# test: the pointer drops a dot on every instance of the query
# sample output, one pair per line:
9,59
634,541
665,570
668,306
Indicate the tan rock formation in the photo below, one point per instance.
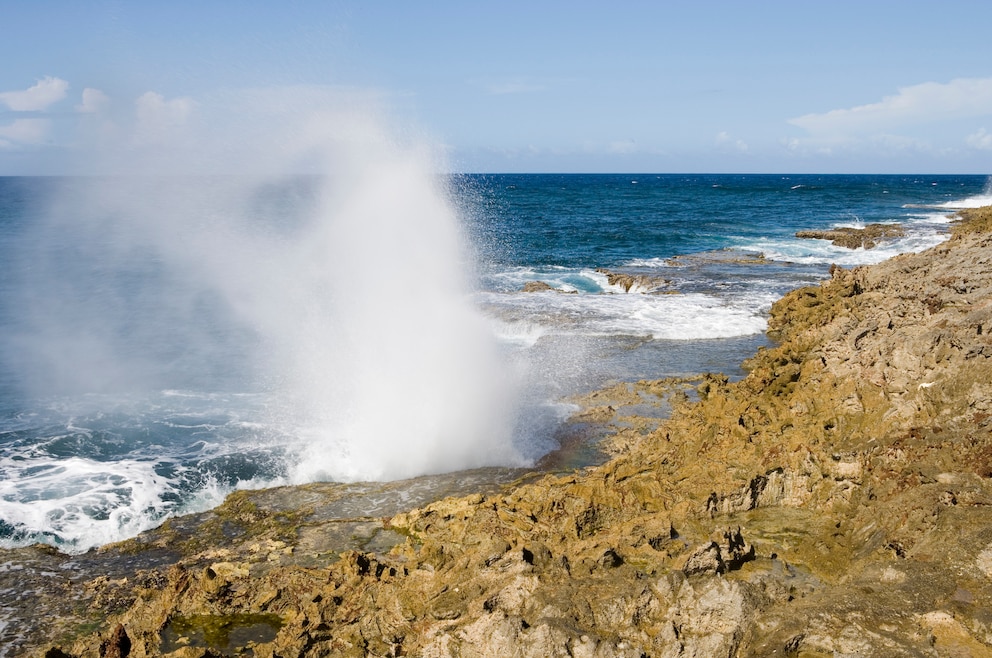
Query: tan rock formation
537,286
637,282
836,501
855,238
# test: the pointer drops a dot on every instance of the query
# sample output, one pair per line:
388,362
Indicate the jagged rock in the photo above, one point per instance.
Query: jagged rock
714,558
737,551
639,282
537,286
706,559
118,645
56,652
836,500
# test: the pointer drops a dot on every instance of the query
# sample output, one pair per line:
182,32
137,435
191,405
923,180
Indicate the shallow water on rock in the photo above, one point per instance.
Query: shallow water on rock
219,632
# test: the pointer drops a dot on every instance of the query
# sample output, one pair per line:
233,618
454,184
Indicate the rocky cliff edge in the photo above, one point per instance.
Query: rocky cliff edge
836,501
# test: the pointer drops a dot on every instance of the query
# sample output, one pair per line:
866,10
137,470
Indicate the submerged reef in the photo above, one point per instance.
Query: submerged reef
835,501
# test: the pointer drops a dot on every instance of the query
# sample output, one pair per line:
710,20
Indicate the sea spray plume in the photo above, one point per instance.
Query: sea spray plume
126,284
412,381
343,295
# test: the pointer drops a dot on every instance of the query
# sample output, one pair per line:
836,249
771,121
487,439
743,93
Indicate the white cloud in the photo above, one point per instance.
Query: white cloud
25,132
887,146
922,103
94,101
159,120
47,91
981,140
622,147
726,142
261,129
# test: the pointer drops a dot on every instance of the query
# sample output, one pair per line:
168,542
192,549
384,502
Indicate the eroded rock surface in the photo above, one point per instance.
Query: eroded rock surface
836,501
628,281
855,238
537,286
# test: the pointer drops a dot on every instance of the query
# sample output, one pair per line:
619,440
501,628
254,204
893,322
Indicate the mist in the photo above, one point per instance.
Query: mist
307,252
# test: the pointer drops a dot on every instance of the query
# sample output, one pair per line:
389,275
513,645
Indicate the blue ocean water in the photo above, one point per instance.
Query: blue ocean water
164,341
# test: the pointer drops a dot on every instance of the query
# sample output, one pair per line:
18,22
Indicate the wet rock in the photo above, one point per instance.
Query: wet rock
537,286
837,500
855,238
636,282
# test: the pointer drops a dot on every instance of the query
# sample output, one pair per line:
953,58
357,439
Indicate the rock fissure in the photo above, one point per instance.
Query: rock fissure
837,500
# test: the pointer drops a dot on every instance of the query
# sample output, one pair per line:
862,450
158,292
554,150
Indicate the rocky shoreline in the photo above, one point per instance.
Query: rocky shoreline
855,238
835,501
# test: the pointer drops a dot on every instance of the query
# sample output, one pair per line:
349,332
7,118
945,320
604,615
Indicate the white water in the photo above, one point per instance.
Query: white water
977,201
691,316
334,328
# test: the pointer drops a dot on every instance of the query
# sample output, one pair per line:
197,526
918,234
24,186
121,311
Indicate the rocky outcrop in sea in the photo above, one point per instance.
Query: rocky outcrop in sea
855,238
835,501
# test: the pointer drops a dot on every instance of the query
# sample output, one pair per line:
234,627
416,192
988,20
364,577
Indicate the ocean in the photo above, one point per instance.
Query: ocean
166,340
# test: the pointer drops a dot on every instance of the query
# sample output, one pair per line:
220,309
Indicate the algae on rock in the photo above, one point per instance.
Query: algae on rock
837,500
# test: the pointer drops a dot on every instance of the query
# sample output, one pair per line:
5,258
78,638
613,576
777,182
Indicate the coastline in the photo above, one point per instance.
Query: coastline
835,500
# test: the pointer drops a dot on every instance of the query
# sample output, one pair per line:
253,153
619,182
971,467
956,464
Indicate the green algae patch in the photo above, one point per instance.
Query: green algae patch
835,501
240,519
220,632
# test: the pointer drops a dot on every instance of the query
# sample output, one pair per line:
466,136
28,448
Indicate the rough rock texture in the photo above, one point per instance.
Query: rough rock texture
634,281
855,238
836,501
537,286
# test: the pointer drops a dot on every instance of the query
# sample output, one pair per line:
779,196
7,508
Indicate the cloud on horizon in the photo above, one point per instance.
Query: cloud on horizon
923,103
24,132
159,120
38,98
622,147
727,143
981,140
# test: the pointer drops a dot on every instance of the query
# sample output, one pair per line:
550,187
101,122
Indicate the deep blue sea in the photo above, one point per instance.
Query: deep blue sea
164,341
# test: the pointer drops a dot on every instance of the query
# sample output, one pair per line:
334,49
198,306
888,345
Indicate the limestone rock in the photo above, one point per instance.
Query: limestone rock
855,238
117,645
633,281
537,286
836,500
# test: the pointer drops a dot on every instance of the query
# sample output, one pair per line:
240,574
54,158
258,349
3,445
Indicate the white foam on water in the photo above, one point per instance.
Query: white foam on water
82,502
520,333
658,263
352,316
977,201
697,317
563,279
921,232
933,218
692,316
603,282
77,503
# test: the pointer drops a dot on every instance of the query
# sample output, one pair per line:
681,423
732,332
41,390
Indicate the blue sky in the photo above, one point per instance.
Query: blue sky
896,87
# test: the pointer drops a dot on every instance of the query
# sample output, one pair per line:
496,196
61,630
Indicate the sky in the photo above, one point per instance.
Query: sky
775,87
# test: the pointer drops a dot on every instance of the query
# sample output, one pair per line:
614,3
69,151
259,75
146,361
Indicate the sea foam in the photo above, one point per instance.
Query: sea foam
329,316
